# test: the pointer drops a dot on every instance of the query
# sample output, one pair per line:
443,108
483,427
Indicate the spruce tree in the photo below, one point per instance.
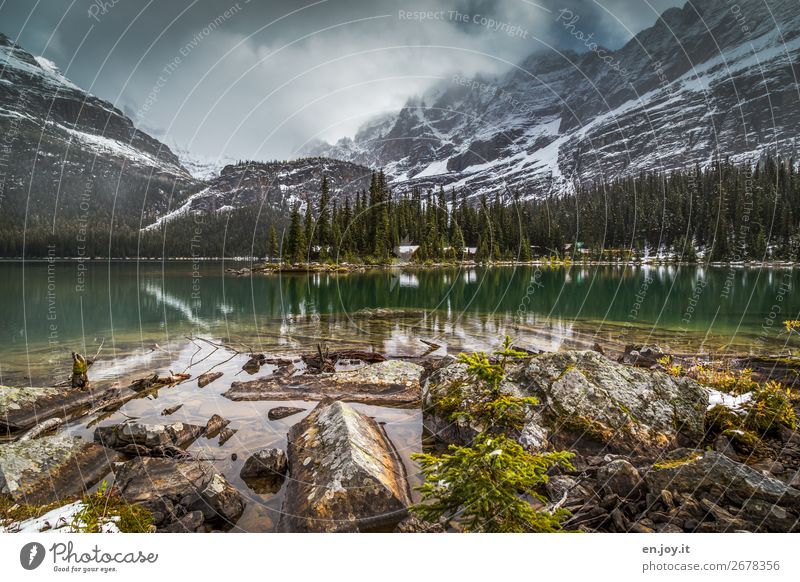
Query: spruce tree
272,245
323,223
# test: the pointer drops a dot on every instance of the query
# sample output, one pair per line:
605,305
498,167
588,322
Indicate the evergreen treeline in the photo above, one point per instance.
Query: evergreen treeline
727,211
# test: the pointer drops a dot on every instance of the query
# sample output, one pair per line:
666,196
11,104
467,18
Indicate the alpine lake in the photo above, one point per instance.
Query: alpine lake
193,317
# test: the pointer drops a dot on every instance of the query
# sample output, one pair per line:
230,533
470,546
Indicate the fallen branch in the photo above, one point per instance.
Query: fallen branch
41,428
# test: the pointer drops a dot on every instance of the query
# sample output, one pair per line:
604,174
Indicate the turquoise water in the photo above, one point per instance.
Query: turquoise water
50,309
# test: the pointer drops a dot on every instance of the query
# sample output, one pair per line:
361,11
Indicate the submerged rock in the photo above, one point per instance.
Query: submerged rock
625,409
148,439
346,474
393,382
280,412
226,434
171,489
264,471
215,425
51,468
265,463
23,408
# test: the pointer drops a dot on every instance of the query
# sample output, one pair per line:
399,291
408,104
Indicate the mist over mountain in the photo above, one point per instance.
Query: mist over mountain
709,80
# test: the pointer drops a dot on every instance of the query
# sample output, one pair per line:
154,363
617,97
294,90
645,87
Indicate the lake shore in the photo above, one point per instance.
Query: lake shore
669,426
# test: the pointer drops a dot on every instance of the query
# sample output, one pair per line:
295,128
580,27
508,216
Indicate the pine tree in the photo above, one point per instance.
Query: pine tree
272,245
297,244
308,230
323,223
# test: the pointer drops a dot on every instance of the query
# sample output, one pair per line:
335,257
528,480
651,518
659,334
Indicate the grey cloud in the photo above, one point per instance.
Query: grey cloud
215,78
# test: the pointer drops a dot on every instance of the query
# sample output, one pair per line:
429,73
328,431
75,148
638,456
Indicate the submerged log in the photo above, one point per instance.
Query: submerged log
325,361
42,428
390,383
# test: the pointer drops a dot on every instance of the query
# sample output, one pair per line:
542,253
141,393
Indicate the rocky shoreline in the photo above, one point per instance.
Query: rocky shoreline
651,452
345,267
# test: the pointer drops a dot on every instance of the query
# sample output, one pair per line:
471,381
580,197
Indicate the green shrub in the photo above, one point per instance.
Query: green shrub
769,409
483,486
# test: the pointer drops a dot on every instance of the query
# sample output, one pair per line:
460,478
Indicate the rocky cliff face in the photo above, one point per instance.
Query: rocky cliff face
66,154
709,79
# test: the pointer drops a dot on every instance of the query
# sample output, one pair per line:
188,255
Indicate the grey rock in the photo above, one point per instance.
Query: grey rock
626,409
51,468
413,524
148,439
24,408
171,488
171,410
346,474
265,463
215,425
712,474
723,445
620,477
226,434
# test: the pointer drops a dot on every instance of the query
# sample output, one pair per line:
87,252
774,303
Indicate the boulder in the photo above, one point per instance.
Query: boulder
445,383
171,489
51,468
138,438
264,471
621,478
392,383
23,408
625,409
346,474
265,463
710,475
280,412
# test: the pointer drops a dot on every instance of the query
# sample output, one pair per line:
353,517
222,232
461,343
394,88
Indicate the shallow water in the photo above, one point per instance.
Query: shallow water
143,315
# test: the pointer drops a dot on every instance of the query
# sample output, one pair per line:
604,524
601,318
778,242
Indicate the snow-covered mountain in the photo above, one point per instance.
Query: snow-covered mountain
67,154
271,187
713,78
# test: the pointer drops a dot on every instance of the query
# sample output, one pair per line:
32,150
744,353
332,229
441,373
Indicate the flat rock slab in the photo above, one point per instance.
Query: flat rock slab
49,469
390,383
22,408
171,489
345,474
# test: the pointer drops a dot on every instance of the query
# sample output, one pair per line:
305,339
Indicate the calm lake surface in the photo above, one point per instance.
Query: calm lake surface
48,310
153,317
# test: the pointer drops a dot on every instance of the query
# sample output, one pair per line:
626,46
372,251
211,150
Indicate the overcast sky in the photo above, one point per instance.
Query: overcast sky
257,79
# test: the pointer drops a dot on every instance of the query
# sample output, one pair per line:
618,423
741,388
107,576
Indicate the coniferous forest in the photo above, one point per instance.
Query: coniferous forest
725,212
